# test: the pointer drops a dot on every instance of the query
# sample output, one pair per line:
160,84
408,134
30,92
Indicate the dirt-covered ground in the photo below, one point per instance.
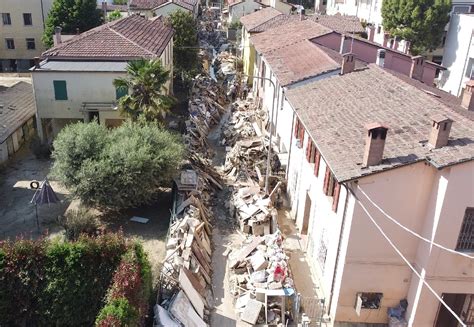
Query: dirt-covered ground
18,218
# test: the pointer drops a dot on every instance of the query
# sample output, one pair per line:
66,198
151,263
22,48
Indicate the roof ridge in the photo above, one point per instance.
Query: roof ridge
87,33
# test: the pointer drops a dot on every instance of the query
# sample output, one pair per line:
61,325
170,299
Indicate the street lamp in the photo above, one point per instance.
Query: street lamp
268,171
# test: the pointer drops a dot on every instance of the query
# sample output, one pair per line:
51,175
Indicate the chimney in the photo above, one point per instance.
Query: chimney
370,33
57,35
37,62
380,60
104,9
343,40
348,63
468,96
440,128
416,70
395,43
385,39
77,31
407,47
374,144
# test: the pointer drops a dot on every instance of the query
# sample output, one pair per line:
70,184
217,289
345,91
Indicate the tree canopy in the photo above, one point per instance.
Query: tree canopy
118,168
116,14
185,43
421,22
71,15
145,81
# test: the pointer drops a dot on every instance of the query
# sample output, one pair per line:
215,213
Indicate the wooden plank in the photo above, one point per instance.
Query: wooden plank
243,253
193,295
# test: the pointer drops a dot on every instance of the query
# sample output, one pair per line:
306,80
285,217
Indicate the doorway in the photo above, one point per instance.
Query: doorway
305,225
93,115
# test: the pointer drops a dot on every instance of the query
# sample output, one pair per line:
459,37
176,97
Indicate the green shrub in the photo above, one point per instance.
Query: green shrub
117,311
77,222
54,283
131,282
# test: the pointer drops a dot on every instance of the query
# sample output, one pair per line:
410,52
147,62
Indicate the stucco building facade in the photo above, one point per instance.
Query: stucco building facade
21,29
374,157
74,81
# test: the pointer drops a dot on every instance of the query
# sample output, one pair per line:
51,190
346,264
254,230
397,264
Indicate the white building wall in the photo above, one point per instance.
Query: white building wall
458,54
241,9
169,8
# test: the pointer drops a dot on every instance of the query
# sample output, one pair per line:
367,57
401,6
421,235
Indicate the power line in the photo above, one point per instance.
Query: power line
408,263
411,231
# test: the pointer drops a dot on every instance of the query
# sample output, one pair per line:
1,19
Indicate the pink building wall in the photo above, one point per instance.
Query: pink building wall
367,51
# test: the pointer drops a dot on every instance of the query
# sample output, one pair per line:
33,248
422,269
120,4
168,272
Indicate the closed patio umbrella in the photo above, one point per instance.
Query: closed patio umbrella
43,195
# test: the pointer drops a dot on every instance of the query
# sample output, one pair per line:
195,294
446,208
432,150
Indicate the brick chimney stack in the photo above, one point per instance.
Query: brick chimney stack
104,9
374,144
370,33
57,35
440,129
348,63
416,70
468,96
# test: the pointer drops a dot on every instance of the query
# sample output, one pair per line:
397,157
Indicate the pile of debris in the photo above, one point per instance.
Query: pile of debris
254,210
261,280
226,64
186,272
246,121
206,106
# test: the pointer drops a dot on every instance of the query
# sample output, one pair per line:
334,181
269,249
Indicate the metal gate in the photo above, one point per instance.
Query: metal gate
309,310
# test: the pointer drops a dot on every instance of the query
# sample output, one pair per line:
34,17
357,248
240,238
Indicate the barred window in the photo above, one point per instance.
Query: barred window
466,235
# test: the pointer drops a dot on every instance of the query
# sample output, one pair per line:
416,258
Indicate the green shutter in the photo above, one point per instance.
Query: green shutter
60,90
120,92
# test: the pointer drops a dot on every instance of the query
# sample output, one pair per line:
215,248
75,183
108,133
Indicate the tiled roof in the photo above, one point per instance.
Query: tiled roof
187,4
129,37
335,110
274,22
286,34
299,61
339,23
18,106
258,17
146,4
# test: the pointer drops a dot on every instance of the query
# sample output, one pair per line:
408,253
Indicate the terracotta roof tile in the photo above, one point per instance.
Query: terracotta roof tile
146,4
339,23
299,61
286,34
130,37
335,110
274,22
258,17
18,106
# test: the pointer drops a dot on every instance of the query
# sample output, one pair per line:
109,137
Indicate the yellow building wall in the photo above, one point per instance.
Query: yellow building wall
248,55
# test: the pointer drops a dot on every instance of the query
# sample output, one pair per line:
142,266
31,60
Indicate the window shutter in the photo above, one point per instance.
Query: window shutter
309,148
60,90
326,180
317,160
335,200
297,127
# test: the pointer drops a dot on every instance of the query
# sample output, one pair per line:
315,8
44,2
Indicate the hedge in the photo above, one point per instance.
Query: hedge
129,294
54,283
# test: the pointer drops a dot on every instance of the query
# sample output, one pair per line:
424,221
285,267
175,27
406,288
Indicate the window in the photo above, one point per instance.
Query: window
10,43
313,156
60,90
30,44
379,29
27,19
6,18
120,92
331,188
470,68
368,300
466,235
299,133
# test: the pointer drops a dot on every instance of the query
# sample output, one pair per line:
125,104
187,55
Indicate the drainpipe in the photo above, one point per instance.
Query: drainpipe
331,295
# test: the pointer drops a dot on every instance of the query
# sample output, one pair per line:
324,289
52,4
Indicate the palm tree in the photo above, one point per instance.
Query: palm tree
145,80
